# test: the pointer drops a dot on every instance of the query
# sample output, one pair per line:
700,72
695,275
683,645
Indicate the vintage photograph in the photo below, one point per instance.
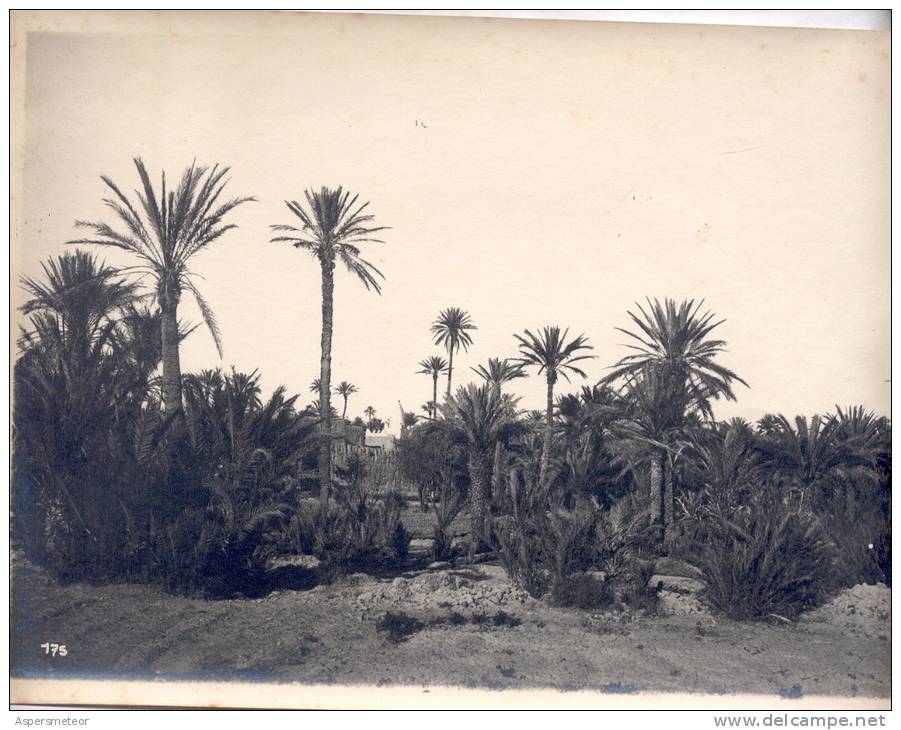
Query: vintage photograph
362,356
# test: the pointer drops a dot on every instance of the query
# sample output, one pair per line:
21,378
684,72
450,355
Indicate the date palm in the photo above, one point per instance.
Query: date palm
434,366
332,227
496,373
345,390
672,345
314,385
451,329
477,417
164,232
369,411
550,352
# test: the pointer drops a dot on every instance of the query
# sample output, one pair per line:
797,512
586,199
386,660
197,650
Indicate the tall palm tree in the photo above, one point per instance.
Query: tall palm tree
332,228
434,366
496,373
345,390
477,417
554,356
672,349
451,329
164,232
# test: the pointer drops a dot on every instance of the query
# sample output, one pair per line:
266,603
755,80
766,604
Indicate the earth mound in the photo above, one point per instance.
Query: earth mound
485,586
863,608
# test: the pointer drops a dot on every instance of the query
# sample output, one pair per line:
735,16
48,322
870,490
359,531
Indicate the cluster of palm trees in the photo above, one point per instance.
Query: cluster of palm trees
672,376
647,430
641,422
167,227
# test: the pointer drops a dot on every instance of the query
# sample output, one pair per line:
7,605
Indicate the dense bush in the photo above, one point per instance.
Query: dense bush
107,487
362,528
766,557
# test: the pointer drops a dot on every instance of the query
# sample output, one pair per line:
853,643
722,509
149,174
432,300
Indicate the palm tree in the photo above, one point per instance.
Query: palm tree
314,385
164,232
672,348
332,228
345,390
369,412
477,417
451,329
495,374
434,366
812,451
80,294
552,354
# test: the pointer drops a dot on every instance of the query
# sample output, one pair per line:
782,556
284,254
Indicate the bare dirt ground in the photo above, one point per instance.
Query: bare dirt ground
331,634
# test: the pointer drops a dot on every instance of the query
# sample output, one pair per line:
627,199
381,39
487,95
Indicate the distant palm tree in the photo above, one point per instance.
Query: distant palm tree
552,354
672,347
314,385
434,366
496,373
332,228
345,390
451,329
477,417
164,233
369,412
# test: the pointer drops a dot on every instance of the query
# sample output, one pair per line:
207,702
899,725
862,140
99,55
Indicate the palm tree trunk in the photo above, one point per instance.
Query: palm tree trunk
479,467
668,502
434,408
548,432
171,364
325,387
344,412
496,475
450,369
656,507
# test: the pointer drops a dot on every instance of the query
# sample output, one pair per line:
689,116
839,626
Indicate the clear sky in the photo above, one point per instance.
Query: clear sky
532,173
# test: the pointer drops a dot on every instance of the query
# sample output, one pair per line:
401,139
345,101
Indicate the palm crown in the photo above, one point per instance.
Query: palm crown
497,371
79,294
551,353
165,231
451,329
332,228
345,389
479,417
673,340
434,366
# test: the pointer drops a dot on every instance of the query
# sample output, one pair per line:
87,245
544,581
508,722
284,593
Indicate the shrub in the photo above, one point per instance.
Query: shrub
767,559
542,551
583,590
398,626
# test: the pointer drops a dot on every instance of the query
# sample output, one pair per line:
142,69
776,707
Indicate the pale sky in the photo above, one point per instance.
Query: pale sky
560,171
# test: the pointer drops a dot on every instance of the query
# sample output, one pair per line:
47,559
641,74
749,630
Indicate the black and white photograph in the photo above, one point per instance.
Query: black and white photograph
385,360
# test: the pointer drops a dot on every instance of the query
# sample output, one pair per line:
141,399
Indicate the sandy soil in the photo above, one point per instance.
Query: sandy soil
330,634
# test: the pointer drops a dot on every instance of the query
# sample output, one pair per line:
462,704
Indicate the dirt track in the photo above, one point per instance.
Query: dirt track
329,634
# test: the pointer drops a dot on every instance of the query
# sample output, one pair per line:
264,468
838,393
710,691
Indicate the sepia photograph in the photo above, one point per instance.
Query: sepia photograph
370,360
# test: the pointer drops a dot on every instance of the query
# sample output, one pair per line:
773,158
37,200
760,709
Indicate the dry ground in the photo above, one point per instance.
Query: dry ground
329,634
